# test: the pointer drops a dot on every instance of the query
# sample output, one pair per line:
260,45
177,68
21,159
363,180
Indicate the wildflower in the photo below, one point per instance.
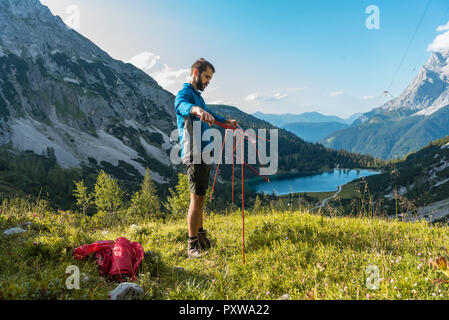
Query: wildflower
368,296
35,243
268,293
414,291
406,278
419,266
415,284
427,279
345,289
399,295
419,254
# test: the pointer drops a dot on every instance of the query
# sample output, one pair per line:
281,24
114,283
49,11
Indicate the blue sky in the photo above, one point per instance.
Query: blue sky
270,56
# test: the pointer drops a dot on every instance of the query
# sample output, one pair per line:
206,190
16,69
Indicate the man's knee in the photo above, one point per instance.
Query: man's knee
197,200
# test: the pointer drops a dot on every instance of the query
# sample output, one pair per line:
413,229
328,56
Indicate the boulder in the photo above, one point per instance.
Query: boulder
127,291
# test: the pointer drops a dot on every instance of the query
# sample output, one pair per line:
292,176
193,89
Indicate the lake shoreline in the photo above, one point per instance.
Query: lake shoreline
289,177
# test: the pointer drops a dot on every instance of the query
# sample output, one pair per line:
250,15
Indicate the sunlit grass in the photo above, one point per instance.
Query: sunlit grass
295,253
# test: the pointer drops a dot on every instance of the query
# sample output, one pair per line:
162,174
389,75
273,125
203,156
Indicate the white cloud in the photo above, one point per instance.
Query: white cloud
257,97
336,93
441,42
169,78
224,102
443,28
367,97
145,60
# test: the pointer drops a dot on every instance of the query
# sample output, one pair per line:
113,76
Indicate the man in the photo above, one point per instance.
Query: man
191,108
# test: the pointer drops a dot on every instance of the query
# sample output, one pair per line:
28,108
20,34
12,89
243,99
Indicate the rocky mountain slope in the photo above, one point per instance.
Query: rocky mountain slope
423,177
59,90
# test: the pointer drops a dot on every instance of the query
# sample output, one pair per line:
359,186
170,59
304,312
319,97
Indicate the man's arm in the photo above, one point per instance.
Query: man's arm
184,107
183,104
216,116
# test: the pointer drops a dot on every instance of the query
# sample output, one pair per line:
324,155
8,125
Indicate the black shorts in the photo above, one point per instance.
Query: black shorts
198,175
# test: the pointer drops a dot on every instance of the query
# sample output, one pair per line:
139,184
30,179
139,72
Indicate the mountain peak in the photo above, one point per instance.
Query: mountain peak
437,61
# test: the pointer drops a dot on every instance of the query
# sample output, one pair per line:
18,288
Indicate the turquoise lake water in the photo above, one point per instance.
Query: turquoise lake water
319,182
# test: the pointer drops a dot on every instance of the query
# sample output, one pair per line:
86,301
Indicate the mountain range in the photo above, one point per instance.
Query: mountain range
407,123
309,126
281,120
314,132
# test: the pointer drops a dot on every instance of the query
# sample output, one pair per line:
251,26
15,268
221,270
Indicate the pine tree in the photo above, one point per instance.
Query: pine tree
179,199
108,195
84,199
257,207
146,201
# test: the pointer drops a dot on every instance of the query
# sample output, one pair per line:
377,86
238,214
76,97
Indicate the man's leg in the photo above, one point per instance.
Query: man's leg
195,216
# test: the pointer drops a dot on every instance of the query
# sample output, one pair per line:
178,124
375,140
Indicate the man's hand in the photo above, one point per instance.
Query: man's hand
232,123
204,115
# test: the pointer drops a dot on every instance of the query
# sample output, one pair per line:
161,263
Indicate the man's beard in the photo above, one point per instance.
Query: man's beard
199,84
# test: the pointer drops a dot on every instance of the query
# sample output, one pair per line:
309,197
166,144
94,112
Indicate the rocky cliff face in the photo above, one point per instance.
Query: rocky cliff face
59,90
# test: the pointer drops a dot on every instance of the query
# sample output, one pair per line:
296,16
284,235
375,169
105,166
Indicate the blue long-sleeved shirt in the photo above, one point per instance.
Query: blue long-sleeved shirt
187,98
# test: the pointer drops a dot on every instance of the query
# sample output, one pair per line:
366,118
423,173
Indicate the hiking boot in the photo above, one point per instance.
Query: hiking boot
204,241
194,249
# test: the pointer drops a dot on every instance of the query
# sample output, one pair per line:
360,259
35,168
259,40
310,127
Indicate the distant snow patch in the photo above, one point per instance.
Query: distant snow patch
168,144
158,178
71,80
132,123
429,111
87,60
402,191
27,136
155,152
440,183
445,146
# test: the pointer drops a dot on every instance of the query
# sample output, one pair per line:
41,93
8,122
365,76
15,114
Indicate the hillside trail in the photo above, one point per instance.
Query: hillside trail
323,203
431,213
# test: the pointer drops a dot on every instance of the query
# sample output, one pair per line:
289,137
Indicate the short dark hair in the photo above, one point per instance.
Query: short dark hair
202,65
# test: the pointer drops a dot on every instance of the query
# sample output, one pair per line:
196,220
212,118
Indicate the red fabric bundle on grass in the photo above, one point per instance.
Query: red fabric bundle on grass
116,259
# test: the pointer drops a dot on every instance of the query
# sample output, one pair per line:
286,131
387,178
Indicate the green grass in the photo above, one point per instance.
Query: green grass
305,256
